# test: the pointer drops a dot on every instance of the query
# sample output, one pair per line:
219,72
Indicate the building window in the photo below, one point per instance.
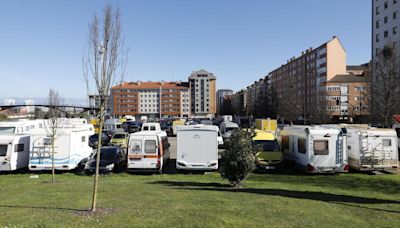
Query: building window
385,5
377,38
377,10
394,1
394,15
385,19
377,24
395,30
385,34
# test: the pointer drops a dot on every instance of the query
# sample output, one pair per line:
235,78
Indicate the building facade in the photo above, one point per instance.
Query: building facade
153,99
202,90
385,25
221,93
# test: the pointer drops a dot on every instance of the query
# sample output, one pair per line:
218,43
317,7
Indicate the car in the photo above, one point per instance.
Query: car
94,140
134,127
119,139
167,127
112,158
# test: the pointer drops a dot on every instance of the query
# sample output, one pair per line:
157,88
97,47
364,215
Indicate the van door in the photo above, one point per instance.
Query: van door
151,147
324,152
135,153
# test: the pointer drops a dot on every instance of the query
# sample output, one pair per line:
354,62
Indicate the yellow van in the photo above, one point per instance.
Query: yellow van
176,123
271,156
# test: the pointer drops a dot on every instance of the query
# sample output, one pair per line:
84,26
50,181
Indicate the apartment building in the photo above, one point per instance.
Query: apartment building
153,99
385,25
348,95
202,88
257,98
238,102
299,85
221,93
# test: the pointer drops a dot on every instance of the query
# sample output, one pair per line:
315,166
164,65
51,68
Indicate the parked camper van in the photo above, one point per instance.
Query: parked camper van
113,125
72,147
372,148
271,156
14,152
151,127
316,149
197,147
148,151
227,118
227,128
19,126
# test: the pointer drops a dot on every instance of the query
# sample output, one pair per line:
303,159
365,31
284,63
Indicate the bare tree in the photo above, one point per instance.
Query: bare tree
102,61
53,125
385,87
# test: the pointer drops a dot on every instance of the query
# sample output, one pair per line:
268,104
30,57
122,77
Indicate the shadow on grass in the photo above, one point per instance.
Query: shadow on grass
45,208
319,196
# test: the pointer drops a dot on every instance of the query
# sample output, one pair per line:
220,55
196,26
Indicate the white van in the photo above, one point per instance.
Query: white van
71,147
14,152
372,148
113,125
314,149
148,151
151,127
227,128
197,147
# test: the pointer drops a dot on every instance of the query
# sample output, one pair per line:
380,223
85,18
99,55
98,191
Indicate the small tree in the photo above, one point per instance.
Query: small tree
53,125
238,160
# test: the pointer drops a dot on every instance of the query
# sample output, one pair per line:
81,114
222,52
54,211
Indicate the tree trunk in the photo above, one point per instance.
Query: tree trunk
96,176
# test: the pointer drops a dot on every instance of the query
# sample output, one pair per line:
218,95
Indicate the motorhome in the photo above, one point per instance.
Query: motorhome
197,147
314,149
270,156
14,152
396,127
71,147
227,118
113,125
20,126
227,128
148,151
372,148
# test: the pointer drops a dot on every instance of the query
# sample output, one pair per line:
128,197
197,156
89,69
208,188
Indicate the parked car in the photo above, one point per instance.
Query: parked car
94,140
167,127
112,158
120,139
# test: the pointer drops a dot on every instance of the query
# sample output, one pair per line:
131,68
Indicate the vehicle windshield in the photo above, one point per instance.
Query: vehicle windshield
7,130
119,136
230,129
107,154
3,150
268,145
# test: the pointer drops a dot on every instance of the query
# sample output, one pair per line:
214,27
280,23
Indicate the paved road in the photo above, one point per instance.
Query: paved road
172,149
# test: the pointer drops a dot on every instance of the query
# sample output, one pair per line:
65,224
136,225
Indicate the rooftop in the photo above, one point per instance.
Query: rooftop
348,78
151,85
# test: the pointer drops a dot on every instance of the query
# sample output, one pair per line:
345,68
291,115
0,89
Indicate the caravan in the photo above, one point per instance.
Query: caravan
148,151
14,152
372,148
316,149
197,147
71,146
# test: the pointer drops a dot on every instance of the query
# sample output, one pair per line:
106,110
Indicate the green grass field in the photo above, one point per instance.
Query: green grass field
267,200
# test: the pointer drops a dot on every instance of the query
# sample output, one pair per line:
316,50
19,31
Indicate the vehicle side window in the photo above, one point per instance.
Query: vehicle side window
321,147
83,139
285,142
386,142
301,146
150,147
3,150
145,128
19,148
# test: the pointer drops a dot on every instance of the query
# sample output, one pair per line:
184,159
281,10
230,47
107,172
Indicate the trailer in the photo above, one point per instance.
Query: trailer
14,152
71,147
372,148
314,149
197,147
148,151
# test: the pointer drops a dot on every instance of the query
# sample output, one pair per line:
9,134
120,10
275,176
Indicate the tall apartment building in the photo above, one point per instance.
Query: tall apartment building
300,84
153,99
385,25
221,93
202,88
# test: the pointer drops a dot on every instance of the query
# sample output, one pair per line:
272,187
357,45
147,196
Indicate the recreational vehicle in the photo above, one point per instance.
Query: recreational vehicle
396,127
372,148
148,151
227,128
314,149
71,147
197,147
14,152
19,126
113,125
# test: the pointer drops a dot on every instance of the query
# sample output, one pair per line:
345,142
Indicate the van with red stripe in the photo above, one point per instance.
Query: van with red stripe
148,151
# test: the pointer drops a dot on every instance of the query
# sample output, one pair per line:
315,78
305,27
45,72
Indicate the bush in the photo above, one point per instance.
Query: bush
238,160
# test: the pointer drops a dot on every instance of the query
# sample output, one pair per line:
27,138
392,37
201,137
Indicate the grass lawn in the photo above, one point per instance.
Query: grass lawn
267,200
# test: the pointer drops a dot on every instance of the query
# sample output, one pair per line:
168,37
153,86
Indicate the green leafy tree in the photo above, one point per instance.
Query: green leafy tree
238,161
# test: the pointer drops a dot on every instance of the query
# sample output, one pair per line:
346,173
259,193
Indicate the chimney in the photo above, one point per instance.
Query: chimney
334,37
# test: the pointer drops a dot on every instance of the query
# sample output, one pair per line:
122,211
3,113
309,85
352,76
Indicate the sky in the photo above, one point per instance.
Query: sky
42,41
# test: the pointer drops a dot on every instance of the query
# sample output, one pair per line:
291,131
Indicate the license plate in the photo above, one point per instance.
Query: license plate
270,167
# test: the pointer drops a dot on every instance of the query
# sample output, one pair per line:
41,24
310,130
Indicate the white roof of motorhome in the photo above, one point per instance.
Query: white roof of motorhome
147,133
230,124
312,129
199,127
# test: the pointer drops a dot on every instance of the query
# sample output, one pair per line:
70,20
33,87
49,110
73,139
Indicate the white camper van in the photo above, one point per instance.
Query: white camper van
19,126
14,152
372,148
316,149
113,125
148,151
227,128
71,147
151,127
197,147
